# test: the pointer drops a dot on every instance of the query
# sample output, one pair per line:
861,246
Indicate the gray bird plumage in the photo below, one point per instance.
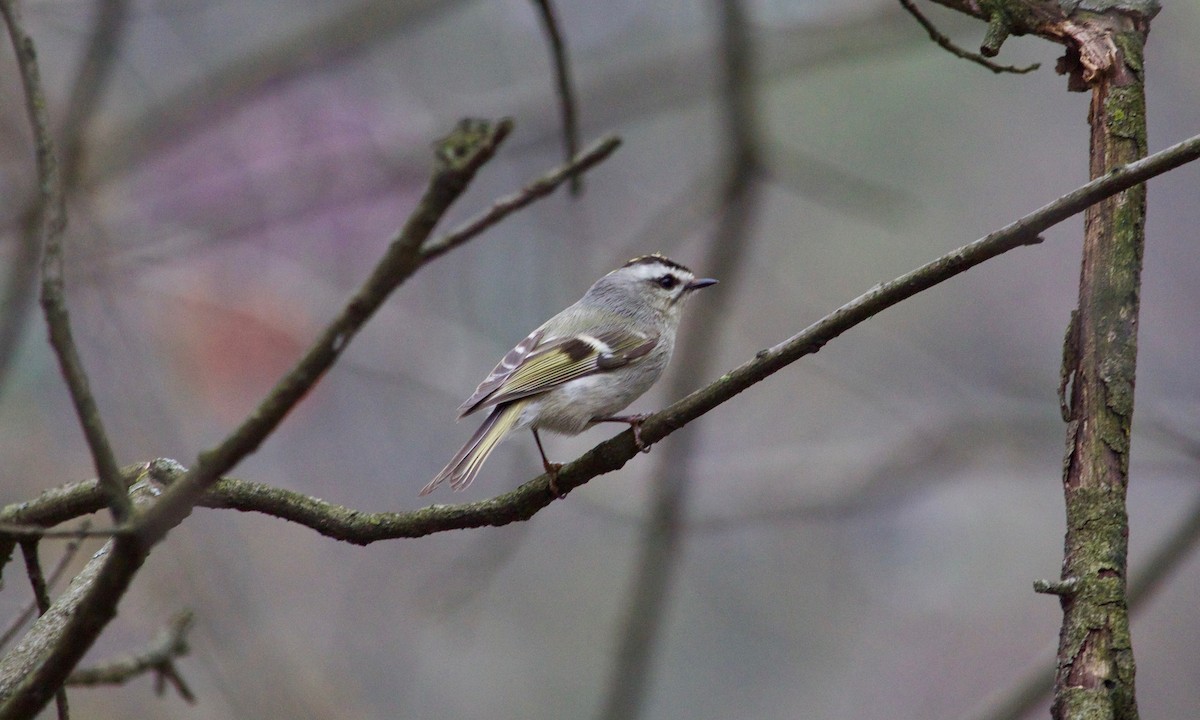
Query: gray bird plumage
581,366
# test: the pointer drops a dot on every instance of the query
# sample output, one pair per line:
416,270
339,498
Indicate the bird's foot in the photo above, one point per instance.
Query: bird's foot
635,423
552,469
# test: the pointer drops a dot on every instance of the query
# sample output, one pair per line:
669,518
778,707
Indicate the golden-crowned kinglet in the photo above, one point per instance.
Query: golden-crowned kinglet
582,365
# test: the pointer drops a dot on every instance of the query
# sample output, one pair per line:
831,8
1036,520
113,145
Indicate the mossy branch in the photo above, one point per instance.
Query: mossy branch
362,528
460,156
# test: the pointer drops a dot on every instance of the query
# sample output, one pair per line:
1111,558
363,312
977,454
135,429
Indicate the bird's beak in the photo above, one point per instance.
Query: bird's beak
700,283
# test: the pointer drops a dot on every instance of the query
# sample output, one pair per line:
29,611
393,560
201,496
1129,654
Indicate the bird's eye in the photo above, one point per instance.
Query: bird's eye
666,282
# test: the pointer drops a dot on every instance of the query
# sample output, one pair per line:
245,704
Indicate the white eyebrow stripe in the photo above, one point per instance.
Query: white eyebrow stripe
650,271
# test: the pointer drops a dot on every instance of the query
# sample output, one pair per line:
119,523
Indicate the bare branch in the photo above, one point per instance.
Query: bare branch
37,580
122,561
55,575
35,532
52,222
460,155
562,75
1096,669
41,598
948,45
47,638
505,206
1036,685
361,528
158,657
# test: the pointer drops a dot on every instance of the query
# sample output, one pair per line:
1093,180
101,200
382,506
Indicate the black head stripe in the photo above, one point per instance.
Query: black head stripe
656,258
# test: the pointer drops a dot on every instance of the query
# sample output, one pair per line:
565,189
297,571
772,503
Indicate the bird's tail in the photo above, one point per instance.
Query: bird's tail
465,464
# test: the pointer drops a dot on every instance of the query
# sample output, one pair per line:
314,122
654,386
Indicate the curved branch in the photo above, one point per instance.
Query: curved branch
361,528
948,45
158,657
460,156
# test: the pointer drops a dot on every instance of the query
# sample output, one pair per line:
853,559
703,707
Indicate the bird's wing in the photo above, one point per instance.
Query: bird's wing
503,370
535,365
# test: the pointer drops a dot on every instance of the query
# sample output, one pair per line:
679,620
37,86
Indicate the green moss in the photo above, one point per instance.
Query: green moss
1019,18
1126,115
1130,45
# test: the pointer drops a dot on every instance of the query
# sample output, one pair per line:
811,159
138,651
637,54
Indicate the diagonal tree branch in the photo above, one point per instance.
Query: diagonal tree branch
86,91
460,156
362,528
1088,52
56,574
505,206
27,656
948,45
52,222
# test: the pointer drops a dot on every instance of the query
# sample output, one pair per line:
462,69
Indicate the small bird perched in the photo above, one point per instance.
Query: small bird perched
582,365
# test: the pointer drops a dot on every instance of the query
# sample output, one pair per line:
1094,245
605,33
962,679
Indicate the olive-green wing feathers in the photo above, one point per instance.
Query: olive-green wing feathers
539,364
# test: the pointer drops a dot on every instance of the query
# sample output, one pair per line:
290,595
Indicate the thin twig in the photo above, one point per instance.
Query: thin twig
52,222
158,657
460,156
505,206
948,45
36,532
46,638
41,597
563,84
362,528
1036,685
37,580
55,575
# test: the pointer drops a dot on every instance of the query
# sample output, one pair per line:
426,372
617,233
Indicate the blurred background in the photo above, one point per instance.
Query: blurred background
855,537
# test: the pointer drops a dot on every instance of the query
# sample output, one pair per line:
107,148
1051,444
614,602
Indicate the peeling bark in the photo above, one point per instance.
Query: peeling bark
1095,676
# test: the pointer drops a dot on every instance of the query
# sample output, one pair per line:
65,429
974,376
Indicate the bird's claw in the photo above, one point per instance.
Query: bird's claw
552,470
635,423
